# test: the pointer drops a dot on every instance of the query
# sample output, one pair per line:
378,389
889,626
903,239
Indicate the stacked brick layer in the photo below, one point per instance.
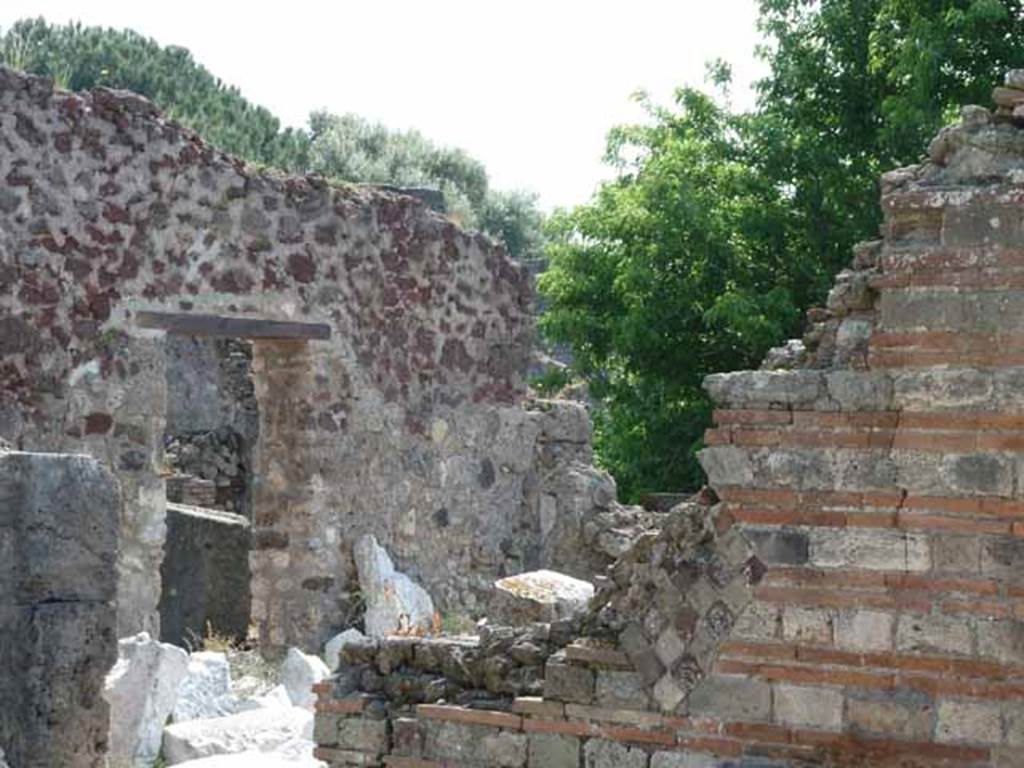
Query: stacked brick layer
887,498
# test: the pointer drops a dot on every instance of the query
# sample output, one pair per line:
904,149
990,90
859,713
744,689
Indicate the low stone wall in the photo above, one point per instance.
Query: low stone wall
59,522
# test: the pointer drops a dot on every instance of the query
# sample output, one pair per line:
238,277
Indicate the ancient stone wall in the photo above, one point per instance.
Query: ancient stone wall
59,518
406,422
878,481
106,209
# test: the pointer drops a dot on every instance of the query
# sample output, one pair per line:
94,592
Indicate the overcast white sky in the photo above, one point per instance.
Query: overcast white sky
530,87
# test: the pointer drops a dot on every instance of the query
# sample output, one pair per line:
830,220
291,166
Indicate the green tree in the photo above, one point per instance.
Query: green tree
676,269
857,87
354,149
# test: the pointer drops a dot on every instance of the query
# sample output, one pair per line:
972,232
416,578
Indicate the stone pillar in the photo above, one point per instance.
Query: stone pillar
59,528
283,495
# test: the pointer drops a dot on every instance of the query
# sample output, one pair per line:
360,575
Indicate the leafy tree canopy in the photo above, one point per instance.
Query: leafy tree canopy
352,148
676,269
721,229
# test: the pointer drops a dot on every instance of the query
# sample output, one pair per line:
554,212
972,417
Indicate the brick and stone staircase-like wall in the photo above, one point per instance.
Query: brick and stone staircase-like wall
878,616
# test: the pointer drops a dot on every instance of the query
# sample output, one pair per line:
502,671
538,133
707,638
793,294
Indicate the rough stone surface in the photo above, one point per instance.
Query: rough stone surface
731,697
332,648
252,760
299,673
205,576
553,750
142,689
59,522
599,753
206,689
262,730
808,706
395,604
539,596
675,597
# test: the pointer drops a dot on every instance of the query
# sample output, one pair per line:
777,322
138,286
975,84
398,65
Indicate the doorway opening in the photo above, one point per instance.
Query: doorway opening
209,442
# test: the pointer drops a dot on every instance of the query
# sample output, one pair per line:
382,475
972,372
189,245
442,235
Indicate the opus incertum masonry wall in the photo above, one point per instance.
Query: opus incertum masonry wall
880,485
389,357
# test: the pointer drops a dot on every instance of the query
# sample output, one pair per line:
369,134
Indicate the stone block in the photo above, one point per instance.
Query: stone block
63,511
620,690
983,224
860,391
553,750
299,673
1001,640
807,626
600,753
363,734
205,575
731,697
395,604
669,648
809,706
325,728
800,388
406,738
942,389
779,547
1013,718
727,465
905,309
683,760
865,631
59,530
142,689
538,596
978,474
903,716
206,689
969,721
668,693
870,549
474,744
956,554
259,730
641,654
568,682
1003,558
933,634
759,621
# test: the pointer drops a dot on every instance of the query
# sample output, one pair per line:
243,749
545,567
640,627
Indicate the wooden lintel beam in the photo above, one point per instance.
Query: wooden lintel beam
191,324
